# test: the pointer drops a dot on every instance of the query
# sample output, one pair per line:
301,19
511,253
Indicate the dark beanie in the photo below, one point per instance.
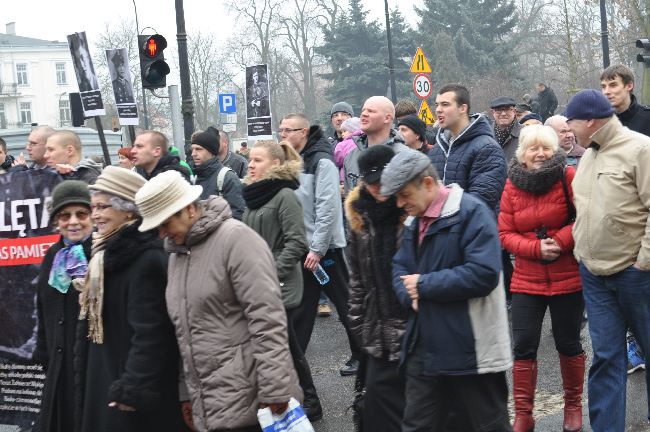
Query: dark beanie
372,162
342,107
208,139
414,123
67,193
588,104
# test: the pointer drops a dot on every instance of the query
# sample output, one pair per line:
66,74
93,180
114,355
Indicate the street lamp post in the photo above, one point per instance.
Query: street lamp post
391,64
187,106
604,34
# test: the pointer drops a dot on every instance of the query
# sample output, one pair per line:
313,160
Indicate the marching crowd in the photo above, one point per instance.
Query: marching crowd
183,297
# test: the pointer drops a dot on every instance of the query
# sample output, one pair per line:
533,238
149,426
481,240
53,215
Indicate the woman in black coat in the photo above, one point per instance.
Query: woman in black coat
130,376
58,303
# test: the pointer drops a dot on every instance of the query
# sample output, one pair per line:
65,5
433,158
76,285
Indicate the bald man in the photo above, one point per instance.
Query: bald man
63,153
377,117
566,139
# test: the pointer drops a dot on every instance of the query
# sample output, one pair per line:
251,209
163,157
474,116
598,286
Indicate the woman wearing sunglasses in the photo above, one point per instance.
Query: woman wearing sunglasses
65,264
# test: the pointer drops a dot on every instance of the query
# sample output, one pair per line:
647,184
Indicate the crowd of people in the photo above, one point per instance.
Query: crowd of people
184,297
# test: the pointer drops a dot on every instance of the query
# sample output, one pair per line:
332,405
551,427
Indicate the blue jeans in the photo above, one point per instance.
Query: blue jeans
613,303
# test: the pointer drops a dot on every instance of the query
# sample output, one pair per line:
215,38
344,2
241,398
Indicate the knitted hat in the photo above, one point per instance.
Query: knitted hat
208,139
342,107
372,162
414,123
120,182
126,152
67,193
404,167
352,124
588,104
502,102
163,196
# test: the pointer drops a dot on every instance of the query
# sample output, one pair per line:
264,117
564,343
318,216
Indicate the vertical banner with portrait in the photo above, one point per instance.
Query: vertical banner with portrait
91,97
118,67
25,236
258,102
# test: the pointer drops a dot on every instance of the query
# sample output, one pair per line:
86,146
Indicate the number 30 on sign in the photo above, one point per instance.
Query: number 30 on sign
422,86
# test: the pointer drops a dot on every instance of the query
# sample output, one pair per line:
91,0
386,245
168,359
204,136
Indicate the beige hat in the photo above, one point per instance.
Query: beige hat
120,182
163,196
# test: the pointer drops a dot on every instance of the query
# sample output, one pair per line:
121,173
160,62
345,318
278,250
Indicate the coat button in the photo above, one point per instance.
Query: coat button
59,349
61,321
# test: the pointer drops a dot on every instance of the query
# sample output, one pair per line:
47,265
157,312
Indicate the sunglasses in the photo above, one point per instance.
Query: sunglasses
81,215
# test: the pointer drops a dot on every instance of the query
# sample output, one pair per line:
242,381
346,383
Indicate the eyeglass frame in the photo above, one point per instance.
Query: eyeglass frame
65,217
288,130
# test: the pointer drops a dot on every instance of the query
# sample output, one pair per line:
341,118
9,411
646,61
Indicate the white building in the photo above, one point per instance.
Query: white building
36,77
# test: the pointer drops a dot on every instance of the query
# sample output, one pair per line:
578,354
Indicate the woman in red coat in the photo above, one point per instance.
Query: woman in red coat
535,225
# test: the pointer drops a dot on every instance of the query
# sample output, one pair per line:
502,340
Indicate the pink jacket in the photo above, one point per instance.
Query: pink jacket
342,150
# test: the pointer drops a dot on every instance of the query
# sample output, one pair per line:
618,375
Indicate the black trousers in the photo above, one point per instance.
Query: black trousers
253,428
300,363
336,289
508,270
384,400
528,315
482,400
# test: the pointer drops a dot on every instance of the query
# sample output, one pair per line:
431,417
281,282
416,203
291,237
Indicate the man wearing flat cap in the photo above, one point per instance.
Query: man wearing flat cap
215,178
611,190
506,127
446,272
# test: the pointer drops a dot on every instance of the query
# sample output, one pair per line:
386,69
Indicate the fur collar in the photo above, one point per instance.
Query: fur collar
125,248
286,171
356,220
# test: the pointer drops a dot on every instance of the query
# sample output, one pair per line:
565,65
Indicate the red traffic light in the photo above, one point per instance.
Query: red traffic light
154,45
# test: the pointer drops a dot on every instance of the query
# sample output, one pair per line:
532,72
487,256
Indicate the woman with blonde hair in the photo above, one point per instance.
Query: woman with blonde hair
535,223
273,210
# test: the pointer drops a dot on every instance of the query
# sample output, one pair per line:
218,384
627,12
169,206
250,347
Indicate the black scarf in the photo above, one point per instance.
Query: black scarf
503,135
259,193
541,180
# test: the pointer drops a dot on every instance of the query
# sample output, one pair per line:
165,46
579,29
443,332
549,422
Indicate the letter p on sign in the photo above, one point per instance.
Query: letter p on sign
227,103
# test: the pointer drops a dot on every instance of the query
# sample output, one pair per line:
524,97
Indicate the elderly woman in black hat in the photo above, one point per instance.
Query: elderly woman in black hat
131,377
377,319
58,302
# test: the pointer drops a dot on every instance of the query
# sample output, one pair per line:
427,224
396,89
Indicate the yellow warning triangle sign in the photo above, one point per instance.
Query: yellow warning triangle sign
420,63
425,113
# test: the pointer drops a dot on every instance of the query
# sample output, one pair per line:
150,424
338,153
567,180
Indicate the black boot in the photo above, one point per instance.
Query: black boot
311,403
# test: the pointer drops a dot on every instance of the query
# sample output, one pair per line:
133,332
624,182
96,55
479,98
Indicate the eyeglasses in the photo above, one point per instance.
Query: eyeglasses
81,215
100,207
287,130
504,110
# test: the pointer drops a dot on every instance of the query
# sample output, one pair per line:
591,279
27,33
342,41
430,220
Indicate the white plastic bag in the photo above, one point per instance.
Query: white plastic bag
293,419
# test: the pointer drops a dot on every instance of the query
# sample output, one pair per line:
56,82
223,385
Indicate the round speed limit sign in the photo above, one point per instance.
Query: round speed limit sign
422,86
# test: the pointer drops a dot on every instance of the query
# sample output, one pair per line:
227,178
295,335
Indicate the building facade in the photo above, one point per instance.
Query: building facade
36,78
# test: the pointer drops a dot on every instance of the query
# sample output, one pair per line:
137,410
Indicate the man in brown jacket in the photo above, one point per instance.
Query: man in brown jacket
612,244
225,304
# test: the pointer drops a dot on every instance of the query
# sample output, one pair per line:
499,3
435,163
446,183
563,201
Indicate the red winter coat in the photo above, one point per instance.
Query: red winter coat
521,214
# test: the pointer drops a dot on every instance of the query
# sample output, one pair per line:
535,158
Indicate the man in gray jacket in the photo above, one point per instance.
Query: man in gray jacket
377,117
323,216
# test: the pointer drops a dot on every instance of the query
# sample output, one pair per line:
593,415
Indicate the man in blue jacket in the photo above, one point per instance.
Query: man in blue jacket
457,345
465,151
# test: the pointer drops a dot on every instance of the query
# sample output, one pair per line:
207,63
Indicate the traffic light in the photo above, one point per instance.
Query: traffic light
644,57
153,67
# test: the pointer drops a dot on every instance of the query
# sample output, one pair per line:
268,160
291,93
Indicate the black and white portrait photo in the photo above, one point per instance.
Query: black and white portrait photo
91,96
118,67
257,92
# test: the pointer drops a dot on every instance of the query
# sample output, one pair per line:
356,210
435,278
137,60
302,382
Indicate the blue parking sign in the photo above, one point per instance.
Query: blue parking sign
227,103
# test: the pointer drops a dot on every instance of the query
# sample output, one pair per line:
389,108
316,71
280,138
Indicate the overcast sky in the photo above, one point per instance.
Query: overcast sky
53,20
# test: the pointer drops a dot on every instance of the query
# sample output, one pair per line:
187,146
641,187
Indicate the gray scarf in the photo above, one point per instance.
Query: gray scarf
541,180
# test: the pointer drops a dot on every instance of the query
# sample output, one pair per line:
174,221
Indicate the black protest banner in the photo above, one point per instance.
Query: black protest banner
25,236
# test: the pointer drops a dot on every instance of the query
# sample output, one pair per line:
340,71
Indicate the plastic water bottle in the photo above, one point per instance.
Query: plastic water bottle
321,275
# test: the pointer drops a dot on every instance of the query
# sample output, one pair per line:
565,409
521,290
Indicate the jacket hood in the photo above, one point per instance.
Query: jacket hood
214,211
286,171
89,164
316,143
127,245
478,125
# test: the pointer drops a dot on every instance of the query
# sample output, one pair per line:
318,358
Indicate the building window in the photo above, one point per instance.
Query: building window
64,112
3,118
26,112
61,79
21,74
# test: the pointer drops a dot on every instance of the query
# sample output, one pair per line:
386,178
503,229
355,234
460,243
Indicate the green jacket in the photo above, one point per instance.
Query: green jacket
280,223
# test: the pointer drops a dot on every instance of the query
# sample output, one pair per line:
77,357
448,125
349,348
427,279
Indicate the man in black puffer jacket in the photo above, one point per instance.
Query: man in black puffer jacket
465,151
151,156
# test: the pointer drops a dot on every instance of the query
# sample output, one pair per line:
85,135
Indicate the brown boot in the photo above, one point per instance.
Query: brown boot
524,380
573,378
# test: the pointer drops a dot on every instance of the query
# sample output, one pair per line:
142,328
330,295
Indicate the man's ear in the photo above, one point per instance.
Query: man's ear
157,151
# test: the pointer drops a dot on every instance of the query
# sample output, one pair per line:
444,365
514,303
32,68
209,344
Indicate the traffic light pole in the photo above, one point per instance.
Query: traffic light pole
187,106
145,112
391,64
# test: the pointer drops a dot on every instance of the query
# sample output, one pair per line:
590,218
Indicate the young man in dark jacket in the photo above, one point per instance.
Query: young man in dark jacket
465,151
446,272
151,156
212,175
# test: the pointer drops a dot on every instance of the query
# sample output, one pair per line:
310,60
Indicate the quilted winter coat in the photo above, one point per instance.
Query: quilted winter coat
522,213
